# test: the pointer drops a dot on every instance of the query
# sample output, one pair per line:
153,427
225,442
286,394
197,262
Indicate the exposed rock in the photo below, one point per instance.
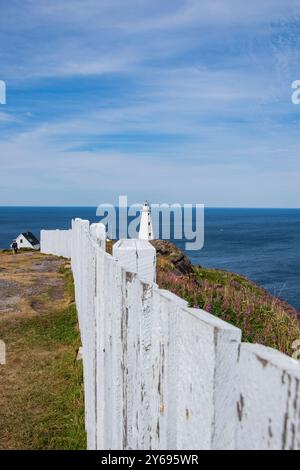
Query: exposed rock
174,254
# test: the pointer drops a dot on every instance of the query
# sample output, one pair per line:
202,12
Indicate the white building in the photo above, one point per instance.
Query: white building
28,240
146,227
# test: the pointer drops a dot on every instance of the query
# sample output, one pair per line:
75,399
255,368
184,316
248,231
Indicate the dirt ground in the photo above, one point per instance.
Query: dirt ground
30,281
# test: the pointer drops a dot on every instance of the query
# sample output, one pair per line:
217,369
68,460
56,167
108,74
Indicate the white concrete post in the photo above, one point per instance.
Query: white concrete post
2,352
137,256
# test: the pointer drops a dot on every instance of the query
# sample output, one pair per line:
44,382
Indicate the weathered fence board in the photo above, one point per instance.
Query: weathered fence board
160,375
56,242
269,399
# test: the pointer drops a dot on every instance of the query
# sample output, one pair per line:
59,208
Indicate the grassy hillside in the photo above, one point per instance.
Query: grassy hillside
262,317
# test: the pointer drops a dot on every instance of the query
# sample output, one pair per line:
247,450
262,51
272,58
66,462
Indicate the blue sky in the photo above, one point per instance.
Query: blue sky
173,101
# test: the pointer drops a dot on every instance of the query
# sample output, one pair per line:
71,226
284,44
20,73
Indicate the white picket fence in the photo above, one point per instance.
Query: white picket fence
56,242
160,375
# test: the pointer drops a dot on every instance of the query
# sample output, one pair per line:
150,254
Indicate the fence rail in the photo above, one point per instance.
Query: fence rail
161,375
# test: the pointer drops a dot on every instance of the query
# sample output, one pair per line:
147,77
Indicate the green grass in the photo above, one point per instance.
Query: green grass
43,392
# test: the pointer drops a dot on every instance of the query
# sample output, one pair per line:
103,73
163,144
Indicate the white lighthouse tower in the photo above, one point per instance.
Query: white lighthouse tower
146,228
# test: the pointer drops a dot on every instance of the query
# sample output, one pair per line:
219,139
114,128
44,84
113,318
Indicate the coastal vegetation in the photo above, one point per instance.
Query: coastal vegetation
263,318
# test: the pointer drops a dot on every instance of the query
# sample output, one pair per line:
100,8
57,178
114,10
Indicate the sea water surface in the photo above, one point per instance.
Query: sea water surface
262,244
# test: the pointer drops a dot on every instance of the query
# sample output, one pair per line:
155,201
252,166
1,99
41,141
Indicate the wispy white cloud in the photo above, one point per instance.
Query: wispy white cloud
54,38
5,117
195,94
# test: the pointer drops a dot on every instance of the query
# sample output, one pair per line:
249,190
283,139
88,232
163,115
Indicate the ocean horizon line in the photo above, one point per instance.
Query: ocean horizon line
94,207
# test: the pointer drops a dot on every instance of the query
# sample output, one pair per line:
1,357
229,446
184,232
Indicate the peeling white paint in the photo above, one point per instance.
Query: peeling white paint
160,375
268,408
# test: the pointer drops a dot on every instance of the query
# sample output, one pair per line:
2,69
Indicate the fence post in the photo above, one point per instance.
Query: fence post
98,234
137,256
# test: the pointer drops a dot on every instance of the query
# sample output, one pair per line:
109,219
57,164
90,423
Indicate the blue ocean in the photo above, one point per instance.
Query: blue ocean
262,244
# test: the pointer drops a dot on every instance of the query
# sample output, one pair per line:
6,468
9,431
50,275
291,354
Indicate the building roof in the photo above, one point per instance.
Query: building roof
31,238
